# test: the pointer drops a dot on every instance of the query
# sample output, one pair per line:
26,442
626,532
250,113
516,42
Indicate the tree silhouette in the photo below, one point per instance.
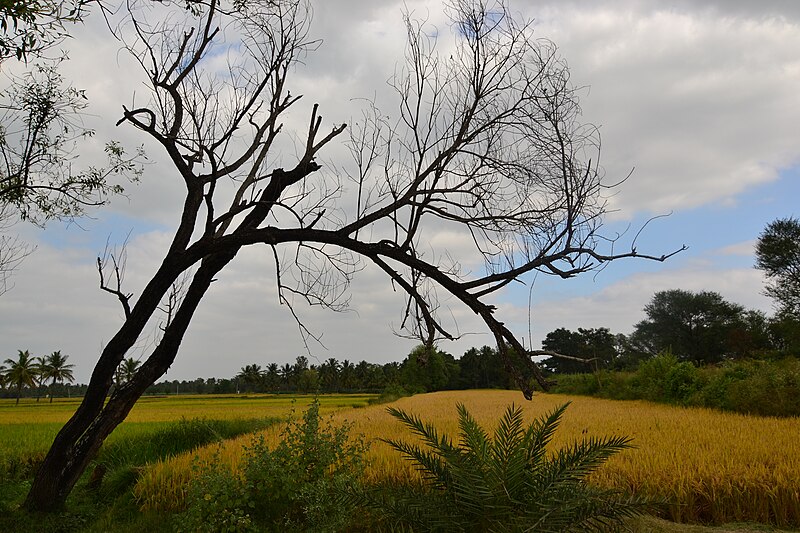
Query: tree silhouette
252,376
487,143
126,370
21,372
57,370
778,255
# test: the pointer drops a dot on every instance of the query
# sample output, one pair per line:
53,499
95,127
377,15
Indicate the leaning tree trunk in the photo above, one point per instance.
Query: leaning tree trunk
79,441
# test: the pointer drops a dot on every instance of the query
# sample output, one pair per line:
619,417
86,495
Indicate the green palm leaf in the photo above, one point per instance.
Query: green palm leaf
508,481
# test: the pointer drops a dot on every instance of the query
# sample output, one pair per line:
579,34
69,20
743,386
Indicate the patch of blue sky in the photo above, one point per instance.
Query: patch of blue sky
93,233
711,233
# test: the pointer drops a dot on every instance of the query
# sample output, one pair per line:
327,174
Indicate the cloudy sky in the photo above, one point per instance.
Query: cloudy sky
698,99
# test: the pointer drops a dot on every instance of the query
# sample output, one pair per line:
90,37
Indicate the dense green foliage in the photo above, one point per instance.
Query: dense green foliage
292,487
759,387
697,327
597,346
701,328
778,255
509,481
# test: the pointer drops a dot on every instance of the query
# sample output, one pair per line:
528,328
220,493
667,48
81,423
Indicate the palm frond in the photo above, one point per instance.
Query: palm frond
430,464
424,430
580,459
540,433
506,482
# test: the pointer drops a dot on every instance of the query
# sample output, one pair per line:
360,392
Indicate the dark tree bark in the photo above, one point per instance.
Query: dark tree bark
487,141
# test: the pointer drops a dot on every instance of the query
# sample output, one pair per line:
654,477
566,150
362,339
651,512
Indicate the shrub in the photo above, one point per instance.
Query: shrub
293,486
217,501
650,380
681,383
391,393
767,389
507,482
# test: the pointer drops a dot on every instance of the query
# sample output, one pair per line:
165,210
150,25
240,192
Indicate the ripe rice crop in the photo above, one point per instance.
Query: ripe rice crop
711,467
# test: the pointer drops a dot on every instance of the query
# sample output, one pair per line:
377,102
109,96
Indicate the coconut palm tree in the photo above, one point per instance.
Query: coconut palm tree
22,372
126,369
272,377
57,370
40,368
251,376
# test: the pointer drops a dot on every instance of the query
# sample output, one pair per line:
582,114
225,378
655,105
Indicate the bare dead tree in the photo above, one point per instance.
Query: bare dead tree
487,141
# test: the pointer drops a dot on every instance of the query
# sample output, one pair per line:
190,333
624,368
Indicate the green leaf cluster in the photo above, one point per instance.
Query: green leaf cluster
293,487
507,481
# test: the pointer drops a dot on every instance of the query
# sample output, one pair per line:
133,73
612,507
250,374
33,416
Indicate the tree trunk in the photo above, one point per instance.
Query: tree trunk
79,441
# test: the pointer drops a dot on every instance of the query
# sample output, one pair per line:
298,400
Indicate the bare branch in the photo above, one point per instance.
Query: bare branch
116,261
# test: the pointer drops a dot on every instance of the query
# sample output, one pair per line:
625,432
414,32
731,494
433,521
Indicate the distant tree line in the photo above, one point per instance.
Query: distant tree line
695,328
37,375
423,370
701,328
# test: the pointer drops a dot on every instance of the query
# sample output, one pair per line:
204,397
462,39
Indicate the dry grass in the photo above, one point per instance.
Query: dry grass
712,467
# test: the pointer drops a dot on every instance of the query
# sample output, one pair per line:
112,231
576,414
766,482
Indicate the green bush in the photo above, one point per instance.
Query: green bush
391,393
295,486
604,384
681,383
582,384
217,501
651,377
763,388
760,387
506,482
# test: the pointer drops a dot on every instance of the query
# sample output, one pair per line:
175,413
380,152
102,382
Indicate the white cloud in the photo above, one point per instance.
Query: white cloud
619,306
745,248
701,100
702,105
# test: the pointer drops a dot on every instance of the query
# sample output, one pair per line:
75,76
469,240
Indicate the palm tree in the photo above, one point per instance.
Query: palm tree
251,375
287,372
57,370
40,367
347,376
2,377
329,374
21,372
272,377
126,369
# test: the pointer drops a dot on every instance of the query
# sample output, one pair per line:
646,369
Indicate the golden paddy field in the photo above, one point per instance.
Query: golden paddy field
711,467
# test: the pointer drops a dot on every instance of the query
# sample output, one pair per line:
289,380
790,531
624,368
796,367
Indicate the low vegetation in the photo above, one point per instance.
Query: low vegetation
698,465
508,481
27,430
758,387
707,466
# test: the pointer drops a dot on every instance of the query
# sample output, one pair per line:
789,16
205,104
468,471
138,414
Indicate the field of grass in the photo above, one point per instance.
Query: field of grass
28,429
711,467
